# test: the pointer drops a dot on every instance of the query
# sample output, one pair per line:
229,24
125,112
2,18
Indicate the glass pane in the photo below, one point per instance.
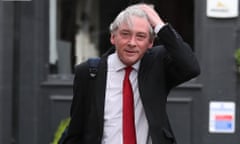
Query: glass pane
73,34
181,15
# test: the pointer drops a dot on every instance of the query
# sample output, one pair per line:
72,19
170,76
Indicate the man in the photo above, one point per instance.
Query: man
102,113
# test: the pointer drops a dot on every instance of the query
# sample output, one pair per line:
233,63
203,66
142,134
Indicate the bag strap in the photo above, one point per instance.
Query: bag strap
93,66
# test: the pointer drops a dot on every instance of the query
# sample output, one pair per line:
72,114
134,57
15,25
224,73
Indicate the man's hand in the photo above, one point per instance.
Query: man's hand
154,18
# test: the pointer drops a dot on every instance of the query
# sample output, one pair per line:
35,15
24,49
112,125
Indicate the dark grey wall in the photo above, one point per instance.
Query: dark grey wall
218,69
216,42
31,42
25,113
6,70
32,103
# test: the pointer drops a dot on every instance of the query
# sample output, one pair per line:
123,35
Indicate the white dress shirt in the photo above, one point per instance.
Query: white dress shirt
112,133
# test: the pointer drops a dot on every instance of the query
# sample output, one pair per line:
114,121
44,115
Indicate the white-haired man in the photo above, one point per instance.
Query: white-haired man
131,109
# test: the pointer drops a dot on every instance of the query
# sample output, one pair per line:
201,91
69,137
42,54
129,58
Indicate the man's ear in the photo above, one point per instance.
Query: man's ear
112,40
150,44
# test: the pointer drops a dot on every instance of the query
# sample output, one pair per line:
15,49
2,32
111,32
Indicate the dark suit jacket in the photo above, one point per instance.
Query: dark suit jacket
162,68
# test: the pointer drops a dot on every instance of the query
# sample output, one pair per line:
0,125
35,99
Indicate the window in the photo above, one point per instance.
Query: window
73,34
79,28
180,14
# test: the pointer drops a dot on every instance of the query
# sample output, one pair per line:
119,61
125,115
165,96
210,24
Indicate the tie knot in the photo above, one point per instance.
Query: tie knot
128,70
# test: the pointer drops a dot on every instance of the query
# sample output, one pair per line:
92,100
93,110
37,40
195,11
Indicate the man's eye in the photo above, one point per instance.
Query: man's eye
124,33
141,37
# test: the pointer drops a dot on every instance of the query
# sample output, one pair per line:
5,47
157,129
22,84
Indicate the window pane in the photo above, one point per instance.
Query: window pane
181,15
73,36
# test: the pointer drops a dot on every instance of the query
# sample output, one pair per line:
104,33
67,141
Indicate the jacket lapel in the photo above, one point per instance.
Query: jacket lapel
144,68
101,88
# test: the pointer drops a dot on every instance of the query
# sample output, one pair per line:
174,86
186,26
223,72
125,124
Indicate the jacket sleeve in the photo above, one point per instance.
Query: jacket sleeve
180,61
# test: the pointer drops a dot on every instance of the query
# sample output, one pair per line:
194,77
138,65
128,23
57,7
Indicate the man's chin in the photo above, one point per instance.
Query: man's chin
130,61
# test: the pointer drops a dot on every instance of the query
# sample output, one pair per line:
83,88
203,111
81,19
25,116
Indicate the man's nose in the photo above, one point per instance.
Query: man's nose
132,41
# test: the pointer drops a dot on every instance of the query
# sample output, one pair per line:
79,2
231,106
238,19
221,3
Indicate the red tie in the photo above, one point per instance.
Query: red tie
129,134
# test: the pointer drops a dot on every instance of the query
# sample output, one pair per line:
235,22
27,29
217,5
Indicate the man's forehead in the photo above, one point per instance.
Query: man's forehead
125,26
131,27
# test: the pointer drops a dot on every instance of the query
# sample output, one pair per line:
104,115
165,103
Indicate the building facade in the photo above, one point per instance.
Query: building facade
42,40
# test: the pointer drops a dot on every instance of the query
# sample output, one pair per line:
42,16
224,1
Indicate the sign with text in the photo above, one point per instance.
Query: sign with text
222,117
222,8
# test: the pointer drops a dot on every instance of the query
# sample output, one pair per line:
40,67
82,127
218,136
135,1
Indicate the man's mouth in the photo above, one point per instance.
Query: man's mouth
130,52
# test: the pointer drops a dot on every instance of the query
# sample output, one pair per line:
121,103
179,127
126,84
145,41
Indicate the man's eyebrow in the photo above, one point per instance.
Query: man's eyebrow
141,33
124,30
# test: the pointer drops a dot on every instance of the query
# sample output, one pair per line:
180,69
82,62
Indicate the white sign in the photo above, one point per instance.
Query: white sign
222,117
222,8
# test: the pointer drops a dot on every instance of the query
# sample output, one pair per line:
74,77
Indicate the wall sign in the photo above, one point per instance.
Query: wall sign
222,8
222,117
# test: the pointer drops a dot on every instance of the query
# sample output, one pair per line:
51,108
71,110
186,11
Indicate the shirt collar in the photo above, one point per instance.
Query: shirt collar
116,64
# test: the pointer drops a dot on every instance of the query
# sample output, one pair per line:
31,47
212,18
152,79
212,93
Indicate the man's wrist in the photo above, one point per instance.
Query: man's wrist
158,27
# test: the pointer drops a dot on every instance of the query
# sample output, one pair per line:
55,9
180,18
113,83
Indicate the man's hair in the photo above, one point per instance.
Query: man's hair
125,17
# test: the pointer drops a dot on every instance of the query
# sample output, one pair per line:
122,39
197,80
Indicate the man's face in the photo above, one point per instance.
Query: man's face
132,41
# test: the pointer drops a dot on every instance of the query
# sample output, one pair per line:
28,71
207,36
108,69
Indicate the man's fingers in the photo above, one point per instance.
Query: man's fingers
152,14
